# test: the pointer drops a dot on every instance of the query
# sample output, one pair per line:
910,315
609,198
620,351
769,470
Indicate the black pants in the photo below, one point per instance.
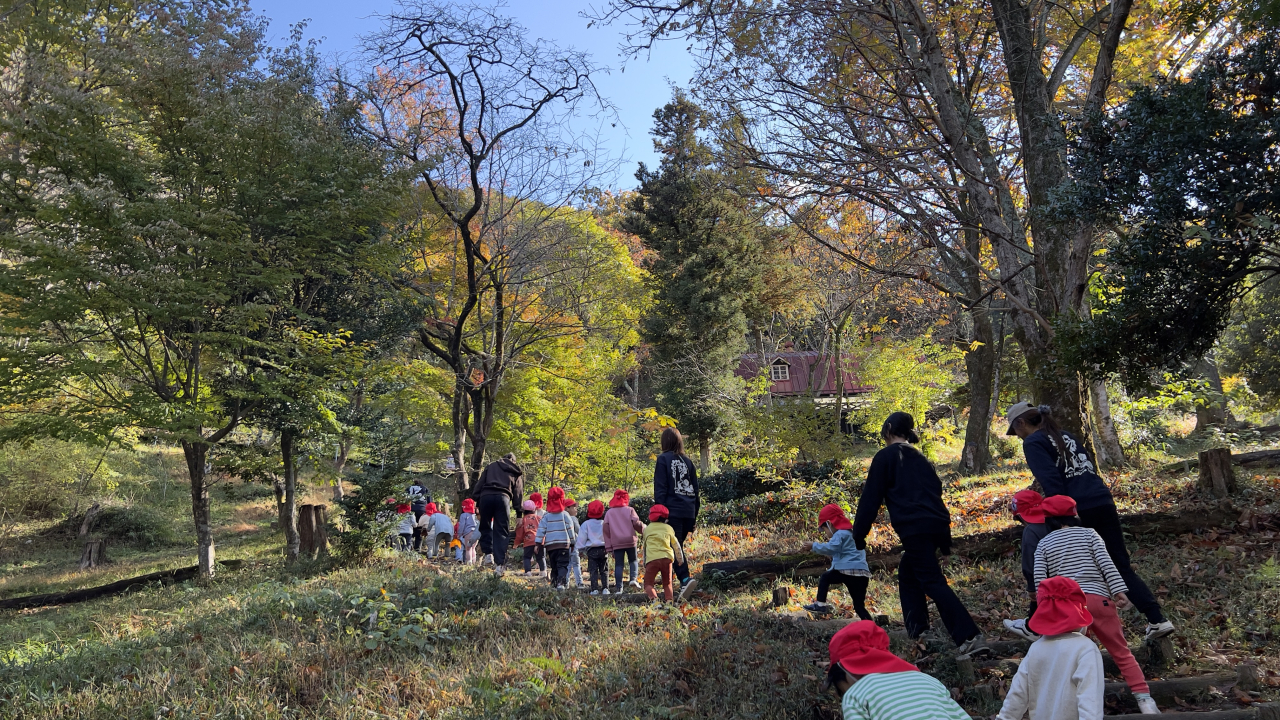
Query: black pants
627,556
558,559
1106,522
495,528
920,579
856,585
598,567
1031,588
682,528
531,553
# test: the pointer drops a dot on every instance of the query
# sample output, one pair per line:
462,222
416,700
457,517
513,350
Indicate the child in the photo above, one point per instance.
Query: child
526,531
438,528
418,499
1061,676
537,504
1026,507
556,535
661,550
591,541
405,528
848,563
1080,554
621,525
875,684
575,563
468,531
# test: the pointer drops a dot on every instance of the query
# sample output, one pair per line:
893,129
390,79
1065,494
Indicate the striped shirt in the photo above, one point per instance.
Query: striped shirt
1080,554
900,696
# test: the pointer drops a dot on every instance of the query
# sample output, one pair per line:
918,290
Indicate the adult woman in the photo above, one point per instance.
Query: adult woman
675,485
1058,462
905,481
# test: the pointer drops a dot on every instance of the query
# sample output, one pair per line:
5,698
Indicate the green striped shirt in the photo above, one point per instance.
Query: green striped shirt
900,696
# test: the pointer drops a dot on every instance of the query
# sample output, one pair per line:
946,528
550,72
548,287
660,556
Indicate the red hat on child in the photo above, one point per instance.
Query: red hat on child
1027,505
403,508
570,502
468,506
862,648
537,499
834,515
555,499
1058,506
658,512
595,509
620,498
1060,607
431,509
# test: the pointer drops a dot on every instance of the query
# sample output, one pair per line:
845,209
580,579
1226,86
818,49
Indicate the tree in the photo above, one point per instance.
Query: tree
706,276
479,115
1185,175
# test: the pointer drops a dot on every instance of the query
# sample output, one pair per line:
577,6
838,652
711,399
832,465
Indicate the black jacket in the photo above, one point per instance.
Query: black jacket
1074,478
501,477
903,480
675,484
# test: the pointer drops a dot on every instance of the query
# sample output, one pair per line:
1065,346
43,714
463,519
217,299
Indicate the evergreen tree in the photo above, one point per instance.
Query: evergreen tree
706,275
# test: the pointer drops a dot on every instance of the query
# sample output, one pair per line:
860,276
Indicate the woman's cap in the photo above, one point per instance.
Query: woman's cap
1027,504
862,648
658,512
1058,506
1016,411
621,498
528,506
595,509
1060,607
555,499
835,515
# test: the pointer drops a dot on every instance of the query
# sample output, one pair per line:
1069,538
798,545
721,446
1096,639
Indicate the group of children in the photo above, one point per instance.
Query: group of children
432,523
1077,591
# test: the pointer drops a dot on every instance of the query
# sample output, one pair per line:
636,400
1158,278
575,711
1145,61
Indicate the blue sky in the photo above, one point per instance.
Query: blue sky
636,93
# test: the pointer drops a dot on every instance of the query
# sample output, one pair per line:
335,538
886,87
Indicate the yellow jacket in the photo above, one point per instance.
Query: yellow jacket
660,543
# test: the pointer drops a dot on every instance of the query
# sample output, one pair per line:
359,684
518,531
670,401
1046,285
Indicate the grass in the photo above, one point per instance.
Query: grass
403,638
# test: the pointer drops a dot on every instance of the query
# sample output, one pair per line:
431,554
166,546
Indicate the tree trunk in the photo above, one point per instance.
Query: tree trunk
1213,412
339,464
980,365
195,454
704,456
289,516
307,530
1110,454
89,516
1216,474
458,451
321,514
95,554
277,486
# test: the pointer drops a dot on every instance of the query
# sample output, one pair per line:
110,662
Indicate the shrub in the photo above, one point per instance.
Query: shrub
40,480
735,483
796,502
126,524
367,526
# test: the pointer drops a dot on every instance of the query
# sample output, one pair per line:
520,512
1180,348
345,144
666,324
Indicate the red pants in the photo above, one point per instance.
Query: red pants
1108,630
651,571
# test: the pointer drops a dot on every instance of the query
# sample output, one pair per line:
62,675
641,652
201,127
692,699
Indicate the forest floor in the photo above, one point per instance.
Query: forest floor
404,637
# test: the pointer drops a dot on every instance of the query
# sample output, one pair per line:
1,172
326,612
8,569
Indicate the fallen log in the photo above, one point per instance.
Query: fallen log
1257,459
1251,713
164,577
979,545
1164,691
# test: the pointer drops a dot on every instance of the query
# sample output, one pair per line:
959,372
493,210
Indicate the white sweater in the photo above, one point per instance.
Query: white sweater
1060,679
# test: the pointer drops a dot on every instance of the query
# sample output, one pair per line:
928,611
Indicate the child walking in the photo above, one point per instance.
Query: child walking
1026,508
1061,676
406,525
621,526
556,535
575,562
848,563
591,542
661,551
438,528
875,684
467,531
526,532
1079,553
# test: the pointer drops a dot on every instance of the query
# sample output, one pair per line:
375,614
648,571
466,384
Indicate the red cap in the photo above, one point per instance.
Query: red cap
595,509
1027,505
1060,607
537,499
555,499
834,515
431,509
403,508
620,498
862,648
468,505
1058,506
658,512
570,502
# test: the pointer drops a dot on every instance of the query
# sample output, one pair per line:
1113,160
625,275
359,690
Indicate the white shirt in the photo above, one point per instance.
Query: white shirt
592,534
1060,679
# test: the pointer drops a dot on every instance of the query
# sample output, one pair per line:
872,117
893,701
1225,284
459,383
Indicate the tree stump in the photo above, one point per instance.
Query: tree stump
781,596
321,513
1159,654
1216,474
306,531
89,516
94,554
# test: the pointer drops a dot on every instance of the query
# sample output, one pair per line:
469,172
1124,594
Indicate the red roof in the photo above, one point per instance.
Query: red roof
799,364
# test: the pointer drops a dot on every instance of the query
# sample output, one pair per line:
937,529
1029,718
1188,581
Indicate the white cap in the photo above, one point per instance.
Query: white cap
1015,412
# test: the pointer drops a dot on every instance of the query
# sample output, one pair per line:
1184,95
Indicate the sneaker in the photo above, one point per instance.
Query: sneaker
561,588
1019,627
618,590
635,585
818,607
975,645
594,592
487,561
604,591
687,590
1147,706
1159,630
499,571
